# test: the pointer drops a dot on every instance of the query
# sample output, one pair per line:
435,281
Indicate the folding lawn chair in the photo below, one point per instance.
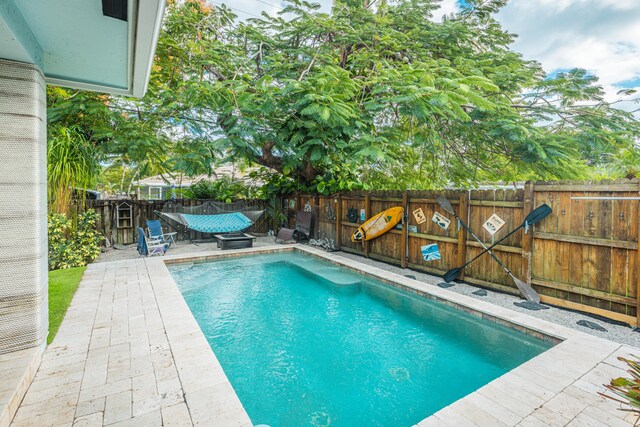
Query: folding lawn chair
150,246
155,232
301,232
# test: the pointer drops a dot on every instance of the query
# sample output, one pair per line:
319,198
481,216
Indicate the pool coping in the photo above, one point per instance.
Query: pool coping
573,356
17,370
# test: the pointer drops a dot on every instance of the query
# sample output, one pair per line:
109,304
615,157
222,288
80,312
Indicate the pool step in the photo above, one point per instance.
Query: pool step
332,274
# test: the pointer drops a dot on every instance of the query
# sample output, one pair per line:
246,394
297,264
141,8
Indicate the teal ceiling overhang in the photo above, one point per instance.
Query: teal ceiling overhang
76,45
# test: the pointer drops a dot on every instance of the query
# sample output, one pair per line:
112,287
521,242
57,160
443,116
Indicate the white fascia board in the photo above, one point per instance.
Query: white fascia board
93,87
148,25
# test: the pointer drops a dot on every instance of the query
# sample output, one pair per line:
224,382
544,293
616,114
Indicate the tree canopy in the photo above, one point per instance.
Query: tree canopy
375,93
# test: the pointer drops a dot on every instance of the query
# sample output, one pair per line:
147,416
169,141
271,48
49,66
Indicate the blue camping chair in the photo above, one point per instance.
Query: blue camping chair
150,246
155,232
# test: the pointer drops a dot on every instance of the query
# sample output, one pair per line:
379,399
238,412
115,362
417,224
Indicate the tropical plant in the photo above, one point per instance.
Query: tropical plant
72,164
73,243
274,213
628,389
224,189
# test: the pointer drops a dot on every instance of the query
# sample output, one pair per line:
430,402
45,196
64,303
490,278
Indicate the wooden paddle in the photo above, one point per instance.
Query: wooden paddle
527,291
535,216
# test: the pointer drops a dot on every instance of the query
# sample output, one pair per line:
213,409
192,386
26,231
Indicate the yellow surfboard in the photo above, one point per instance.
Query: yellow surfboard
378,224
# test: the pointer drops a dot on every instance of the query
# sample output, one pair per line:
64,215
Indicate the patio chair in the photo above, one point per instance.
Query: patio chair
150,246
302,231
155,232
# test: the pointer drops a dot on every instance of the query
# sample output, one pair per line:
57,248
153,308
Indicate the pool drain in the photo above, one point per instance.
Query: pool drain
320,419
400,374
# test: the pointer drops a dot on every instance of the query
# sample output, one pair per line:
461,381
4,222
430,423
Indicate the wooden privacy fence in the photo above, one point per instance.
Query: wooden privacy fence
584,256
118,219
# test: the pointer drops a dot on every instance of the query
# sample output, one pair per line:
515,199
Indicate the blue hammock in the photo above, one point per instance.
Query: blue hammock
219,223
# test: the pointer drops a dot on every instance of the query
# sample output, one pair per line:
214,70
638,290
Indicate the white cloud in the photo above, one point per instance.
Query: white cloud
602,36
447,7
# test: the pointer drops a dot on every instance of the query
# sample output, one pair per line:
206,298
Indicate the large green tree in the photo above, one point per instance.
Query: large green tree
374,92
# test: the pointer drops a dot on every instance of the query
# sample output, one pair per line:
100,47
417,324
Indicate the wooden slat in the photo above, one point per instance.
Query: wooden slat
631,320
587,187
496,203
585,291
385,199
498,248
431,201
585,240
433,237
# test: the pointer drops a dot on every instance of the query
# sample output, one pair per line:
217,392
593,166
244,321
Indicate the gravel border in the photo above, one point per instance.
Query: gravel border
616,333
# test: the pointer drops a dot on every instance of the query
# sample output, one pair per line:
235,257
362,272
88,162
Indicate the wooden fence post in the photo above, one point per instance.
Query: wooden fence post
316,216
638,272
527,239
405,230
338,219
462,232
367,214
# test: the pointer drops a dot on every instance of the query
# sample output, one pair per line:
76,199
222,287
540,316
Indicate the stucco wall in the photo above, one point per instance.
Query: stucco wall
23,207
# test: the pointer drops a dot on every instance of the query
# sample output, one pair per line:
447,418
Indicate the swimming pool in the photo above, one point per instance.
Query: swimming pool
304,342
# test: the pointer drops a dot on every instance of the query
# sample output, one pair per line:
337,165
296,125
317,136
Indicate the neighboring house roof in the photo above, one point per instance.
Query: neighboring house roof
185,182
166,181
104,46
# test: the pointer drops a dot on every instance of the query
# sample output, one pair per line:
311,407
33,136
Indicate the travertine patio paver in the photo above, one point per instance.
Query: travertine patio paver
17,370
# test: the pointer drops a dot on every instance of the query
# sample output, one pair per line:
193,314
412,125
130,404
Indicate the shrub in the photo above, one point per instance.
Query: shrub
73,243
224,190
627,390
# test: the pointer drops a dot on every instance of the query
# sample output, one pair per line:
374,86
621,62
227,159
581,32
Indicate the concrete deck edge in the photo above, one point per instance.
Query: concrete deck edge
193,356
19,385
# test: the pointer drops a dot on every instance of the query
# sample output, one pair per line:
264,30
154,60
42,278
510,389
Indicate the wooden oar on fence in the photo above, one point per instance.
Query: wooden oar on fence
535,216
527,291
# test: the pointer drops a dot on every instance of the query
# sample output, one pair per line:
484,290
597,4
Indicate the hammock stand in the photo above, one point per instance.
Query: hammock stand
209,219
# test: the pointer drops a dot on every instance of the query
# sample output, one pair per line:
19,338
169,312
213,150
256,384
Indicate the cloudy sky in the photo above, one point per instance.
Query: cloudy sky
602,36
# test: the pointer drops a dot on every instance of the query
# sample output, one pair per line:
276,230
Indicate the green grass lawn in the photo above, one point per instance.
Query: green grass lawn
62,286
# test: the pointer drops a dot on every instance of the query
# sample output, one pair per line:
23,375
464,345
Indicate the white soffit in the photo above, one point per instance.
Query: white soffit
77,46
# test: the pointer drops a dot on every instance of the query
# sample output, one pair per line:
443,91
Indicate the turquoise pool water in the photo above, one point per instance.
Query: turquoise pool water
305,343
